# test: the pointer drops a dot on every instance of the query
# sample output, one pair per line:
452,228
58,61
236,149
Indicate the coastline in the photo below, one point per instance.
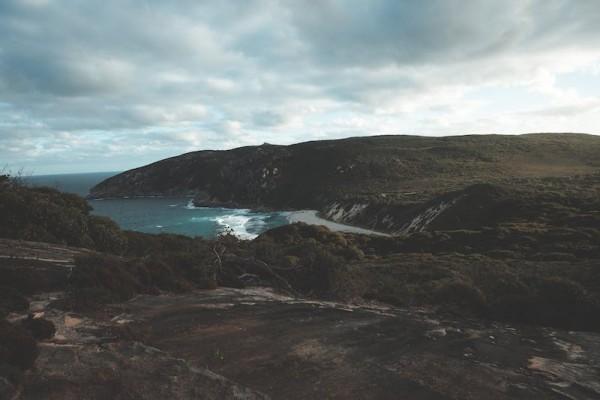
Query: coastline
310,217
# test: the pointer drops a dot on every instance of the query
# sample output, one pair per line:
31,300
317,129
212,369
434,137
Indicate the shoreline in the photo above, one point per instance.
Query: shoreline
310,217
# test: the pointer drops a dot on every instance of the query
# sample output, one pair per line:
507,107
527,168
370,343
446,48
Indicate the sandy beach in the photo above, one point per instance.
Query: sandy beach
311,217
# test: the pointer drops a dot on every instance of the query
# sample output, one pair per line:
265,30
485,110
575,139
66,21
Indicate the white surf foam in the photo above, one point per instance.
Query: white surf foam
236,223
190,205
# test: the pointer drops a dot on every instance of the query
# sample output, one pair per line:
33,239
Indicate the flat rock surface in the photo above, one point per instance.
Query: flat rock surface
37,251
254,343
124,370
299,349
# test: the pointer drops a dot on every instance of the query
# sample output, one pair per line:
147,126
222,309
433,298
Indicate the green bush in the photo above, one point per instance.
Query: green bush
106,235
12,300
17,346
39,328
101,271
562,302
461,294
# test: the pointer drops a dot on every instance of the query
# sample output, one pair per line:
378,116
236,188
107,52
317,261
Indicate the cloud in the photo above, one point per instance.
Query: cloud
85,87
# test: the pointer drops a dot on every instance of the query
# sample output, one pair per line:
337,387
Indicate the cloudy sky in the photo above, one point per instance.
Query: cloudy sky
113,84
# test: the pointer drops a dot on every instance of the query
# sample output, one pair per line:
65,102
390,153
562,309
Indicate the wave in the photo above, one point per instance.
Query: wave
190,205
241,223
236,224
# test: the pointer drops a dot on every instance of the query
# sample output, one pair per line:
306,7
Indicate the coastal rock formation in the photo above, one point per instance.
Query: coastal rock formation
378,170
256,344
473,207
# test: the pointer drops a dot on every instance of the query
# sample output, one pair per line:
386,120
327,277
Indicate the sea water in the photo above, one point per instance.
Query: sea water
165,214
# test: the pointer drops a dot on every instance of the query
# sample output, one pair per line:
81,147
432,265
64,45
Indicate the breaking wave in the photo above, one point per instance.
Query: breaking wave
241,223
190,205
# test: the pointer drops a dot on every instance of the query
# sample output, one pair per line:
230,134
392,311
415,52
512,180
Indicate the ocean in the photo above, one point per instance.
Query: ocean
165,214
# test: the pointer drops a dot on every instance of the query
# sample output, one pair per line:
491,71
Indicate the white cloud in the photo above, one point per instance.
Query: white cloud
90,87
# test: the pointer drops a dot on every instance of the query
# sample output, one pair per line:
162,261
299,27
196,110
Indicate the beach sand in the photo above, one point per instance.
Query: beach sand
311,217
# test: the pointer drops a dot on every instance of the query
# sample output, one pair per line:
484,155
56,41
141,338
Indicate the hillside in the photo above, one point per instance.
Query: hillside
380,169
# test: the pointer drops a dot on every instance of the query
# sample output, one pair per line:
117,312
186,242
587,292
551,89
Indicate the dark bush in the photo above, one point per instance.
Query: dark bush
560,292
101,271
197,267
101,278
17,346
40,328
461,294
29,277
106,235
317,272
12,300
515,307
47,215
85,299
564,303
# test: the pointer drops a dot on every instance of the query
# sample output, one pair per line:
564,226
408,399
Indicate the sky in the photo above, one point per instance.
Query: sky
115,84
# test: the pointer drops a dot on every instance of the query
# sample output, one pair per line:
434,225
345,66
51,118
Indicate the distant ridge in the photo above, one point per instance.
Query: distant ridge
391,168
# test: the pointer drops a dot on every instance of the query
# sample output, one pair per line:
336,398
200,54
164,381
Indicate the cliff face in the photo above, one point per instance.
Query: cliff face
343,178
473,207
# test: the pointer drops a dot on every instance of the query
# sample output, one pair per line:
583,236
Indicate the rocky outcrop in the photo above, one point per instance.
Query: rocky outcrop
124,370
475,206
294,348
247,344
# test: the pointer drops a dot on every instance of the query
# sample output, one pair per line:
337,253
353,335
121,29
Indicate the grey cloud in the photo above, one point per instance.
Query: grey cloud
406,32
162,76
267,119
567,110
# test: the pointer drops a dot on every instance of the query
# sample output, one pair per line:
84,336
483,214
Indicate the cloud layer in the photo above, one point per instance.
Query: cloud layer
115,84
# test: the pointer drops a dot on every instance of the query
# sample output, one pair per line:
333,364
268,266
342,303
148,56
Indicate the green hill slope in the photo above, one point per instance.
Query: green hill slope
381,168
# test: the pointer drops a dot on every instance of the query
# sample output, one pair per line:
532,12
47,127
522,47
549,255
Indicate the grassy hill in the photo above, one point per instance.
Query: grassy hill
383,169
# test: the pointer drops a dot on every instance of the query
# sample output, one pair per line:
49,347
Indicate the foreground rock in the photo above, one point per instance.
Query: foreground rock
123,370
254,343
299,349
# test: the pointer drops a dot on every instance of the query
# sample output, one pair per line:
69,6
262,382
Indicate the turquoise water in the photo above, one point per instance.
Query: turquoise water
169,215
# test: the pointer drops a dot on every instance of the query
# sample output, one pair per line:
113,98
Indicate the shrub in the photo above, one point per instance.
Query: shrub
562,302
85,299
195,267
107,235
319,276
560,292
39,328
106,272
17,346
461,294
12,300
515,307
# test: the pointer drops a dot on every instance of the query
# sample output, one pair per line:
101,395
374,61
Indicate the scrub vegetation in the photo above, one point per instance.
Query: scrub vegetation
525,251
